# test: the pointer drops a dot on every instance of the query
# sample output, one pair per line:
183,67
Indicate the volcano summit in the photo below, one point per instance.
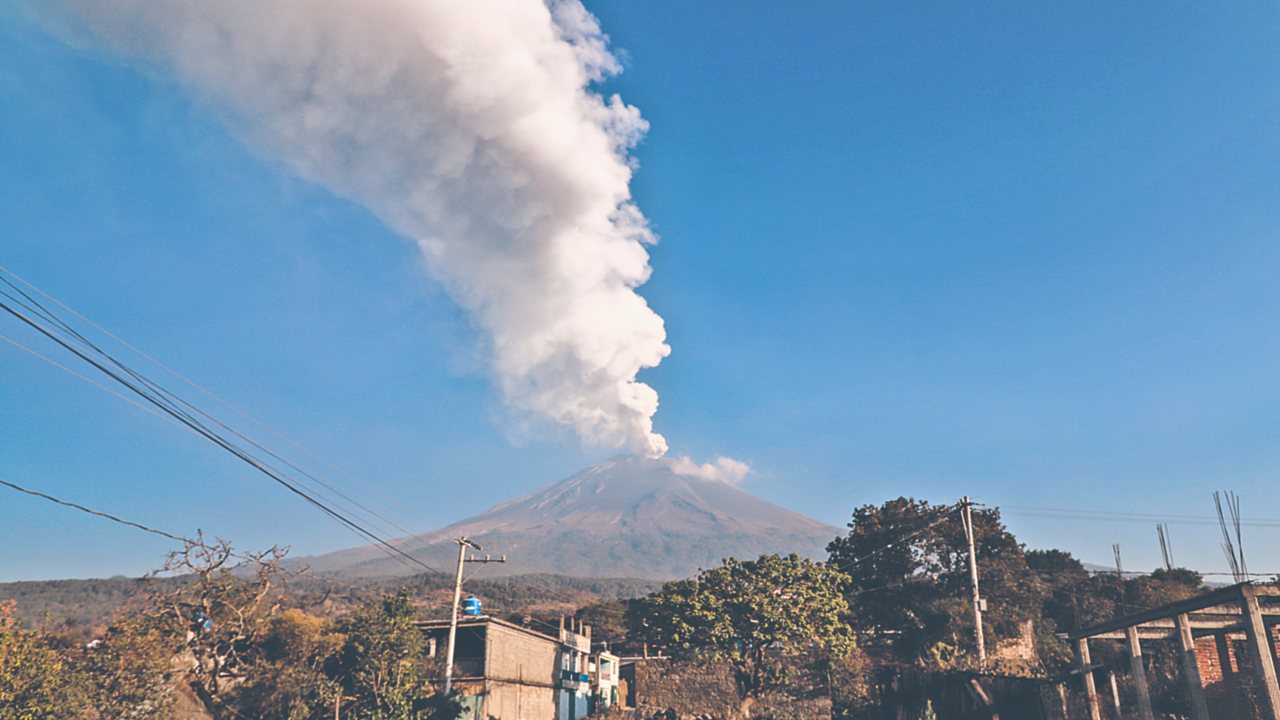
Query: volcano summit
627,517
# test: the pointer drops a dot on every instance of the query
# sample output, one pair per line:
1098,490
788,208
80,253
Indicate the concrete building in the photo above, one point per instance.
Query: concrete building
605,675
573,691
500,669
508,672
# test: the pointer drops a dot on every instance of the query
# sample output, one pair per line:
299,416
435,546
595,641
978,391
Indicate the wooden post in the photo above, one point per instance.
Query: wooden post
1086,674
1190,669
1140,675
1062,701
1258,637
986,699
1115,694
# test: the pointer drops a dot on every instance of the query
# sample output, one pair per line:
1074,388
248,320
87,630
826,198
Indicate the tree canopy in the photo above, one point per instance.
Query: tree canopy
908,564
752,613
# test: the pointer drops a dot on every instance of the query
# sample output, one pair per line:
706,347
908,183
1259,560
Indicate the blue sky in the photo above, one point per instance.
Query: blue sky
1025,252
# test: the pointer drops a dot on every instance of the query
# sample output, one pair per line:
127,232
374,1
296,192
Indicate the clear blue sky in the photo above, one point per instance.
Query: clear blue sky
1026,252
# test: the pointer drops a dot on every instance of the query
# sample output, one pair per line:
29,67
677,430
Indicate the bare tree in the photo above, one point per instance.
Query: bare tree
221,607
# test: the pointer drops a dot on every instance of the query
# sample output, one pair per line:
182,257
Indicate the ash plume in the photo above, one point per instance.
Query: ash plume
724,469
470,127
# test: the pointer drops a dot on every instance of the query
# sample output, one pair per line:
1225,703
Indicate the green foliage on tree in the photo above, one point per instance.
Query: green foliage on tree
909,592
131,667
608,620
1076,598
382,662
753,614
36,682
290,681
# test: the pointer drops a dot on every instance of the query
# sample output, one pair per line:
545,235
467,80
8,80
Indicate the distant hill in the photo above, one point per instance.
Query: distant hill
628,517
85,604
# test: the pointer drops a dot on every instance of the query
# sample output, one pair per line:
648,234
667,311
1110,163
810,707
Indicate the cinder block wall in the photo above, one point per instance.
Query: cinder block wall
520,670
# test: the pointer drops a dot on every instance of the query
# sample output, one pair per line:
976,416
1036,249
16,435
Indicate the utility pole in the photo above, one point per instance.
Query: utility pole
967,515
463,543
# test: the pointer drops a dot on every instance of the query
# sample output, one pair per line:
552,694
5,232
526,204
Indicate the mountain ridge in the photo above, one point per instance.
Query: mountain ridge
625,517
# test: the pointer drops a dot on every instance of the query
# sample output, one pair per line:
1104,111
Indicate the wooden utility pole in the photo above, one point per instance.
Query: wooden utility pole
463,544
967,516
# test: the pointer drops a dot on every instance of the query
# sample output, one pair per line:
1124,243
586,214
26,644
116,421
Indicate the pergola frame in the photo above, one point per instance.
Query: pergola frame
1251,609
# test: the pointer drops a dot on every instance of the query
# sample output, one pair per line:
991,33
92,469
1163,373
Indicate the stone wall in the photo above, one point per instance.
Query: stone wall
1017,655
707,690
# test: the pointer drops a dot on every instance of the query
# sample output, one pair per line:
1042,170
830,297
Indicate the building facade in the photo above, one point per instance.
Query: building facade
573,691
503,671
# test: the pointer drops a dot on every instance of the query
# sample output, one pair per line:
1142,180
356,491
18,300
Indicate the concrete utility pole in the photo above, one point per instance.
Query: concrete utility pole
463,544
967,515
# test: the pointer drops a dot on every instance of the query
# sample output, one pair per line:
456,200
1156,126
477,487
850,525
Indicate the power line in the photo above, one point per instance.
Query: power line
164,400
1119,516
98,513
946,511
34,307
86,378
214,396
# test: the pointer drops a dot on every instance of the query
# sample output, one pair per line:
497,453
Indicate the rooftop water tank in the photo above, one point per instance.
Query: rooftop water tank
471,606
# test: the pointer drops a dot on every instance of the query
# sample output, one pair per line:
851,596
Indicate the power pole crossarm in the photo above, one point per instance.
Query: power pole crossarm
463,544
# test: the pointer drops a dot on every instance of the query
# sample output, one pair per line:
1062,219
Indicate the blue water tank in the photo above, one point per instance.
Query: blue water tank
471,606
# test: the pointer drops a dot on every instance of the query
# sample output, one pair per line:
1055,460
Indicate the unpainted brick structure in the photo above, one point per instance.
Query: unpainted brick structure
1226,645
502,670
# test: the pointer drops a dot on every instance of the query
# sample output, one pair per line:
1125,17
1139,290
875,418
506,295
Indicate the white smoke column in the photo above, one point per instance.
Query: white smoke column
724,469
469,126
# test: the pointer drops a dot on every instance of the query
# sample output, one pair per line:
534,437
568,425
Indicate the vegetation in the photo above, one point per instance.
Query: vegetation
223,637
36,682
241,635
83,607
910,568
756,614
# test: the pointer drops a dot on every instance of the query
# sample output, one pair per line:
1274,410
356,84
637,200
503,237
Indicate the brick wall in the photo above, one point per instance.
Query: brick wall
1229,683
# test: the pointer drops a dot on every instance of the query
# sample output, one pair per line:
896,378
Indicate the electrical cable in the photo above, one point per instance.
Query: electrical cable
98,513
214,396
170,402
847,565
199,428
36,308
1115,516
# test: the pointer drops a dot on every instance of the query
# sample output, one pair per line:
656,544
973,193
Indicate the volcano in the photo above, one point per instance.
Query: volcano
627,517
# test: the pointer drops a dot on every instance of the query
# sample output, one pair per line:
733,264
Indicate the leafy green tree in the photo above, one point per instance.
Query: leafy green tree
131,670
1164,586
382,662
909,592
36,682
755,614
291,681
608,620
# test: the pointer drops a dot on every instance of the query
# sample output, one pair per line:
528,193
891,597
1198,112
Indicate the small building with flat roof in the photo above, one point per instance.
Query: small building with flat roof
500,669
